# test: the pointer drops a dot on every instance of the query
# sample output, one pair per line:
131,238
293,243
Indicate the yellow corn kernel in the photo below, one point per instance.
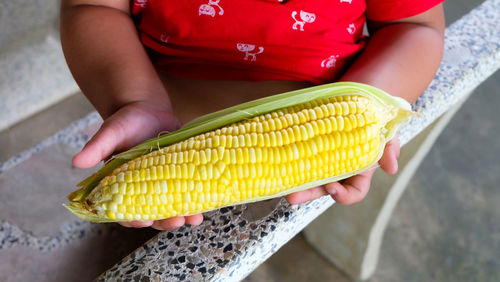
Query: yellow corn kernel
260,157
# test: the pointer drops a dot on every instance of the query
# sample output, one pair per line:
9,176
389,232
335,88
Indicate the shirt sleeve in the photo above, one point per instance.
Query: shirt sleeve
389,10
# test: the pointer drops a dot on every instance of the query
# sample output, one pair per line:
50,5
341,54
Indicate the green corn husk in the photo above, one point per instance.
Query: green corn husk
209,122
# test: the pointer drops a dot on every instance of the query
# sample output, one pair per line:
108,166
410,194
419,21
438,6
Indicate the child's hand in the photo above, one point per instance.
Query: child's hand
380,65
127,127
352,190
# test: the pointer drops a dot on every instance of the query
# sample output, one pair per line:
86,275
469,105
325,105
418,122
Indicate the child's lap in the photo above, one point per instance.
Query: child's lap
194,97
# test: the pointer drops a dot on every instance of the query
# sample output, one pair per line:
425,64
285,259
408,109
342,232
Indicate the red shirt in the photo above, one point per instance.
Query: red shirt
307,40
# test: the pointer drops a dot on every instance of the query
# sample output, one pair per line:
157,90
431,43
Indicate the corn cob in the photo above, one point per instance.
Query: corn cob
329,133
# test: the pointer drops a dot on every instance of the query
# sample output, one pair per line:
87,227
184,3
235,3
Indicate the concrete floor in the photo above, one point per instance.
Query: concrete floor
445,227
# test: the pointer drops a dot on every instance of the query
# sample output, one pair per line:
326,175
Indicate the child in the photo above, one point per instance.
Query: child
118,50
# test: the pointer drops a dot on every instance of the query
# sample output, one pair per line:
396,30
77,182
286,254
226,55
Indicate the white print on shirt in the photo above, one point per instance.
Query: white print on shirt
346,1
247,48
329,62
164,37
351,28
141,3
207,9
305,17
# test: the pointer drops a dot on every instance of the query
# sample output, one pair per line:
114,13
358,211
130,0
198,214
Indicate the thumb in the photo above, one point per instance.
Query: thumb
389,160
100,146
124,129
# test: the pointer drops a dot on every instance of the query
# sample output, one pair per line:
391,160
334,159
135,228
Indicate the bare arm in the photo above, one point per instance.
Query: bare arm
402,56
111,67
107,59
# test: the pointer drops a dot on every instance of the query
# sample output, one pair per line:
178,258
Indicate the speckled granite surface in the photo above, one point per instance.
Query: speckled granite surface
228,244
233,241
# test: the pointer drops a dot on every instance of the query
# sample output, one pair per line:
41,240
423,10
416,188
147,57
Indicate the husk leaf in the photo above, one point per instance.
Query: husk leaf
238,113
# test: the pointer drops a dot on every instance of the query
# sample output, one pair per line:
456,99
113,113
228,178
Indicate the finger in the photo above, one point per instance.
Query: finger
389,160
136,224
352,190
125,224
102,144
169,223
126,128
306,195
397,146
195,219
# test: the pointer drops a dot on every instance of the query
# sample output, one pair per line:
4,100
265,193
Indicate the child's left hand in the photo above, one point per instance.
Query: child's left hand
418,42
354,189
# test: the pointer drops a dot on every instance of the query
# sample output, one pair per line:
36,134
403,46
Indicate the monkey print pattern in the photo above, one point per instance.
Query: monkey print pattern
247,48
351,28
164,37
208,9
305,17
141,3
329,62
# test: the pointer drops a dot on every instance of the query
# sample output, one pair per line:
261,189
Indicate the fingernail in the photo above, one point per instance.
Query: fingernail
331,190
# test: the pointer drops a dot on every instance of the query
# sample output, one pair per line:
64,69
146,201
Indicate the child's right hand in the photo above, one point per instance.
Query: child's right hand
114,71
127,127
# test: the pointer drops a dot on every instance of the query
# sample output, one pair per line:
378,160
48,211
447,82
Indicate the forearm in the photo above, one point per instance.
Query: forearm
400,58
106,58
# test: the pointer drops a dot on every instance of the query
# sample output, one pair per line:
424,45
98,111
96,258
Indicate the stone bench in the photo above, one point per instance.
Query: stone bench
233,241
